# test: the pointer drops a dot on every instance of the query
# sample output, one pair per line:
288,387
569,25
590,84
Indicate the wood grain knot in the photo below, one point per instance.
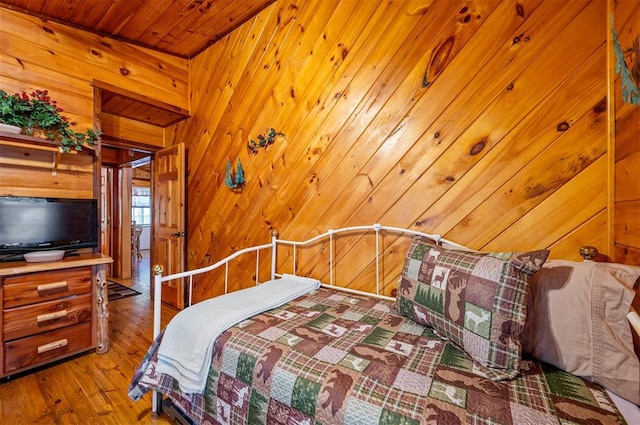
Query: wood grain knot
439,58
601,106
478,147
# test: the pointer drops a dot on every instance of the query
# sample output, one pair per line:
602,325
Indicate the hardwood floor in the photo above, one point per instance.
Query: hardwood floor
91,388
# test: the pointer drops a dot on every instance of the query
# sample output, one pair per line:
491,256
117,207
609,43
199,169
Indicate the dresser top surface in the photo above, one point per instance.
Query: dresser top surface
20,267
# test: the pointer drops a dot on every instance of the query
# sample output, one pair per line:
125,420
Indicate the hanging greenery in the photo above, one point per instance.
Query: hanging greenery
38,112
264,140
234,179
630,91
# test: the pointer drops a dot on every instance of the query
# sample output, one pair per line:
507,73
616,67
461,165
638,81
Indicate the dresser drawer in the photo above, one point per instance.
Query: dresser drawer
36,318
45,286
41,348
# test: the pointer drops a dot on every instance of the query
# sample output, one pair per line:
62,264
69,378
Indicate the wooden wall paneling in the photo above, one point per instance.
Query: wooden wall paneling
133,133
36,54
626,226
240,146
358,124
592,232
208,113
432,142
537,229
412,202
366,142
349,95
574,203
82,55
505,112
248,107
32,174
348,261
626,254
211,175
627,178
316,54
308,84
346,60
546,173
528,138
628,134
369,133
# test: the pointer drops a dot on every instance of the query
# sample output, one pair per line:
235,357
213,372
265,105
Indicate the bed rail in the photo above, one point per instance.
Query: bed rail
273,246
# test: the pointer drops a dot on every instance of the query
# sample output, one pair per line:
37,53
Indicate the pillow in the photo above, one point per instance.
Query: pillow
475,299
577,322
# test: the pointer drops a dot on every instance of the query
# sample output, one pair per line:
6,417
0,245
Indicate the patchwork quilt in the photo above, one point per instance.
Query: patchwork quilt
335,358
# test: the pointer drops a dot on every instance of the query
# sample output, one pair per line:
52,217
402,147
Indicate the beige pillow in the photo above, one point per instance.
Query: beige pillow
577,321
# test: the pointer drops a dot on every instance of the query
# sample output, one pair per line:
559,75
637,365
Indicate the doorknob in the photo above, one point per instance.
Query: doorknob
178,234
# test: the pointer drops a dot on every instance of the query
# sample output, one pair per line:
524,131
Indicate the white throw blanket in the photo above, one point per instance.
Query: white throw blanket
186,349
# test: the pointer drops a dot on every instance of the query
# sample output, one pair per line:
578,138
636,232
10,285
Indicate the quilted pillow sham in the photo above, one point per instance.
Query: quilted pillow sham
477,300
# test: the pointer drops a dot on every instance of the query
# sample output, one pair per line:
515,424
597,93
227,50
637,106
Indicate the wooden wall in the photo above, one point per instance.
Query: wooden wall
36,54
627,141
484,121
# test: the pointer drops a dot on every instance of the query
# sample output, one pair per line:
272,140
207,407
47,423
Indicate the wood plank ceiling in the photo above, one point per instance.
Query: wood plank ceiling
182,28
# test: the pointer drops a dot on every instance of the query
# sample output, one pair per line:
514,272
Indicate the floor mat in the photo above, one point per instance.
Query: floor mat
117,291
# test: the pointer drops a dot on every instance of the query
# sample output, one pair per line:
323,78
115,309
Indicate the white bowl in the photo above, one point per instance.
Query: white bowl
42,256
7,128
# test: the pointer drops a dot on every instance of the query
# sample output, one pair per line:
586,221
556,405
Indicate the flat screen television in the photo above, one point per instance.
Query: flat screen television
35,224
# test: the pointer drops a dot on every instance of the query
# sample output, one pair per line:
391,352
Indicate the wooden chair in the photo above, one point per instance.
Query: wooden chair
136,231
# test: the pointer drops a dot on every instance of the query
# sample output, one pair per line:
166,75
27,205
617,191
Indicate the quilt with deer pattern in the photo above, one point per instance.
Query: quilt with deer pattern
335,358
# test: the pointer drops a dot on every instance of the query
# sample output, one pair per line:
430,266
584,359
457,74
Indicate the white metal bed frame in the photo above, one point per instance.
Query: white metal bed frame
275,242
631,412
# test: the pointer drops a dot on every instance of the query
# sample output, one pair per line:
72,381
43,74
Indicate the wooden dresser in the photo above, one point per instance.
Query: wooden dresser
52,310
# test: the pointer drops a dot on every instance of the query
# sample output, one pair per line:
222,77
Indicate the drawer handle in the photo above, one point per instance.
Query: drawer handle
52,346
54,287
51,316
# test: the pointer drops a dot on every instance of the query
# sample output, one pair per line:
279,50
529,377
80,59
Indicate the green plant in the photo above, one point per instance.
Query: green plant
36,110
264,140
12,109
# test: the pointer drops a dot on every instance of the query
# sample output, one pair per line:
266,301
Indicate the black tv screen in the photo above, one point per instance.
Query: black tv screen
35,224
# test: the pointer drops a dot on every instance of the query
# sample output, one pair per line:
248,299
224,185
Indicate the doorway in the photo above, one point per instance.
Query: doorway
126,210
141,217
135,129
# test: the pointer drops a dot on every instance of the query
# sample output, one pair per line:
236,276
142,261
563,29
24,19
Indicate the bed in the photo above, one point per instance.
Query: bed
469,337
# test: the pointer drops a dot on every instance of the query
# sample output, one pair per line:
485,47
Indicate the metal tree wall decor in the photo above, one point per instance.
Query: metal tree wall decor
630,89
234,179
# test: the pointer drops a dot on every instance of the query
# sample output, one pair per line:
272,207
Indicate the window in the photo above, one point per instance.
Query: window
141,205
